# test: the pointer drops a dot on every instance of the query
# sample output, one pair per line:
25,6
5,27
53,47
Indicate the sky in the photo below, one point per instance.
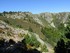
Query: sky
35,6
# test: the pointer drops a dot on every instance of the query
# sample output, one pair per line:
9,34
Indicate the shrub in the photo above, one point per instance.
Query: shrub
44,48
30,29
32,41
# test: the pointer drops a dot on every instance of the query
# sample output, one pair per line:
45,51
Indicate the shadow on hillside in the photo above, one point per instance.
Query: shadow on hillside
12,47
62,47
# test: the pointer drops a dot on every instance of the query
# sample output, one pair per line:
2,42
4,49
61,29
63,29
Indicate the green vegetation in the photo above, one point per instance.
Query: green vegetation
46,32
44,48
43,20
30,29
53,35
63,45
1,14
31,40
25,24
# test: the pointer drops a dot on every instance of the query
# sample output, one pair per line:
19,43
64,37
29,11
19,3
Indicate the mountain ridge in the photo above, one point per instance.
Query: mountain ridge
50,27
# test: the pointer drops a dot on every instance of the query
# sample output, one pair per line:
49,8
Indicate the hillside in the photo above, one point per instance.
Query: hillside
40,31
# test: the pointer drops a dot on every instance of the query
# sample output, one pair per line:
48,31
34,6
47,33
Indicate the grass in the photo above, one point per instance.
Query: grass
32,41
52,35
25,24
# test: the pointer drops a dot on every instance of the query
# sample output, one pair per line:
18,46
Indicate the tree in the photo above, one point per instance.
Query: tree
10,12
4,13
60,47
67,34
0,14
30,29
68,47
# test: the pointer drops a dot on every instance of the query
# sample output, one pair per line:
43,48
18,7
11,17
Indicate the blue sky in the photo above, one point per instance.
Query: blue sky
35,6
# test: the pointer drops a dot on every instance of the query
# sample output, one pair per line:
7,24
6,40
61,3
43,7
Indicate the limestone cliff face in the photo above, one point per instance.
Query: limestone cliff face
44,19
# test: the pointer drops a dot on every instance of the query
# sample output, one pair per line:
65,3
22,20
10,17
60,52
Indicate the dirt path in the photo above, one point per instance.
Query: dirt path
49,47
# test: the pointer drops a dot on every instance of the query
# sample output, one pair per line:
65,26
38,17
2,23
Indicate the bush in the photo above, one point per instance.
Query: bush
6,21
62,47
30,29
13,47
52,34
44,48
32,41
1,14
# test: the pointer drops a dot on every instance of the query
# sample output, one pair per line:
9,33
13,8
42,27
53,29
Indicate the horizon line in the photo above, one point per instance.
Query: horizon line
37,12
